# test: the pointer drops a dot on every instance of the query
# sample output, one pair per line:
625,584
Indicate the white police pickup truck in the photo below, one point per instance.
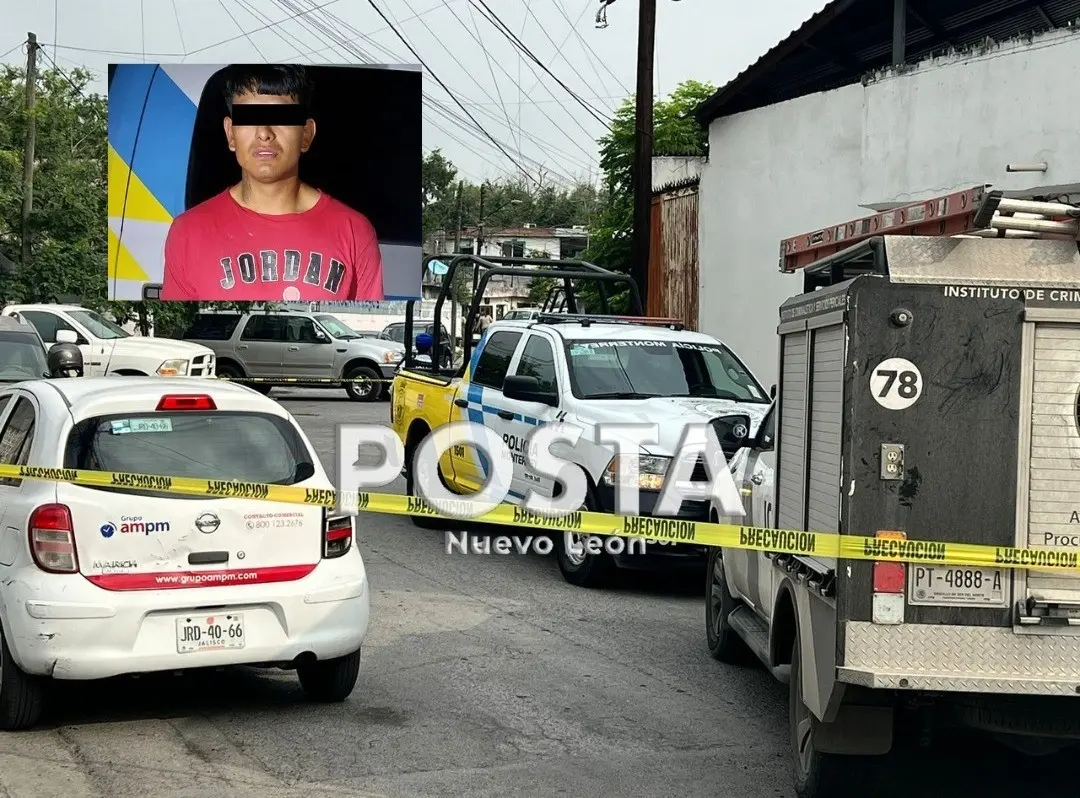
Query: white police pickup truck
585,371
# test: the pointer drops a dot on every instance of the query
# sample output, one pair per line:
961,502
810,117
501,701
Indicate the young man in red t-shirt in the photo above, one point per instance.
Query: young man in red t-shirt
271,237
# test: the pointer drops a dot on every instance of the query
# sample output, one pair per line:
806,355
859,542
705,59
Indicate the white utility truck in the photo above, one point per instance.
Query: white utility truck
110,350
929,383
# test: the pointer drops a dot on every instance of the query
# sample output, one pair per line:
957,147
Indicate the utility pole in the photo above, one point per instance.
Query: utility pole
28,145
454,309
643,147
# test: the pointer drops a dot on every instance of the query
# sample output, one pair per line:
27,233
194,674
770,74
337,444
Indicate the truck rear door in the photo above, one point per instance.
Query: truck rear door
1049,513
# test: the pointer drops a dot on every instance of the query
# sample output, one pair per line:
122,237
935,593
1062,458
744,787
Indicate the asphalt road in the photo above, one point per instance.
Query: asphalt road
482,676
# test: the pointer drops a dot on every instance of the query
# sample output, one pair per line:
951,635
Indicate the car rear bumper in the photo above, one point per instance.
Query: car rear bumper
960,659
64,626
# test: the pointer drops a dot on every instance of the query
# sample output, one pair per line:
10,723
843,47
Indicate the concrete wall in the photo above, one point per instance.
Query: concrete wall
670,170
947,124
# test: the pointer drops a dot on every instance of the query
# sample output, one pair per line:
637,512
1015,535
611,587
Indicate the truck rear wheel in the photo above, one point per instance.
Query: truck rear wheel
422,521
363,385
817,775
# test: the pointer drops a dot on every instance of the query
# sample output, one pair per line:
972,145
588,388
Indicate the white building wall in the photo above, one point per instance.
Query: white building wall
950,123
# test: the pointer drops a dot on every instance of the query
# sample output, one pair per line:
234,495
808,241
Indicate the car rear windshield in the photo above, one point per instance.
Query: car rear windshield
638,369
251,447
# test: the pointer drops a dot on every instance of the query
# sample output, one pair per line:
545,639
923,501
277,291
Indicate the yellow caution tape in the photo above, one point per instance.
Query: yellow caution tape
671,530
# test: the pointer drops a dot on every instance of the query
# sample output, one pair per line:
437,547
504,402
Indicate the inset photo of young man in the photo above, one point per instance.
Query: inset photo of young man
264,182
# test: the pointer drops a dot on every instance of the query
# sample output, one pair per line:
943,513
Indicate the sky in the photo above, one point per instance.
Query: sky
540,127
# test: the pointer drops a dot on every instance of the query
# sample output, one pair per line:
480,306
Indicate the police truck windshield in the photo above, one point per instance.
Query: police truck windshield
642,369
21,357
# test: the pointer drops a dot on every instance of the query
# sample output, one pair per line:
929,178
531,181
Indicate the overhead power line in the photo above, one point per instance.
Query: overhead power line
509,34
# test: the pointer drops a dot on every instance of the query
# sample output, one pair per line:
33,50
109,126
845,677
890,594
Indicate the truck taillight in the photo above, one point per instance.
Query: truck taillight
52,539
337,535
888,583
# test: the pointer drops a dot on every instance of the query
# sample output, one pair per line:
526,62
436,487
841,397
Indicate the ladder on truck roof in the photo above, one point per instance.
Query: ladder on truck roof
838,252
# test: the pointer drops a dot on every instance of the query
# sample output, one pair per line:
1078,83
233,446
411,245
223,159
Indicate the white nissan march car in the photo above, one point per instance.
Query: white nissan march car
106,581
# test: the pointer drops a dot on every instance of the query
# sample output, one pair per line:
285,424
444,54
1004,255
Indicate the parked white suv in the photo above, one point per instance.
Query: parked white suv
110,350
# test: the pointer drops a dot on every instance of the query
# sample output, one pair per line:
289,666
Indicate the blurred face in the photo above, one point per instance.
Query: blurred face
268,152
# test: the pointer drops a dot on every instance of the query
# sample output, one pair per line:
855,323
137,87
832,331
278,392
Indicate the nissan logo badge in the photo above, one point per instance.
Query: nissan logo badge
207,522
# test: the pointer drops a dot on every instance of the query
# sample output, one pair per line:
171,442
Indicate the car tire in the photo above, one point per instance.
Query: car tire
724,642
422,521
583,569
22,696
330,681
816,774
363,391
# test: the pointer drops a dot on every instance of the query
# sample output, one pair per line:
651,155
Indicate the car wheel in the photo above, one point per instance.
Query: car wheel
366,391
22,696
817,775
724,642
230,372
422,521
330,680
579,566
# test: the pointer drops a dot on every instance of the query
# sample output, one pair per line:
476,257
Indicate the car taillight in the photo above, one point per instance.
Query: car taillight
52,539
888,582
193,401
337,535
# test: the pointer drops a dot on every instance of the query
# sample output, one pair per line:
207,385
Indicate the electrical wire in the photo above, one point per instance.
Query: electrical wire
240,28
438,80
573,140
18,46
559,48
594,57
339,23
505,31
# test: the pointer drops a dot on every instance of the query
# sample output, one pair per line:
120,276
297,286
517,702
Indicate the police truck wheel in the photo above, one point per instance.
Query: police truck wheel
22,696
422,521
330,680
724,642
366,391
817,775
579,566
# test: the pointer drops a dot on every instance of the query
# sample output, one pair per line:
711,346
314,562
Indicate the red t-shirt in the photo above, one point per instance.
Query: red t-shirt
221,251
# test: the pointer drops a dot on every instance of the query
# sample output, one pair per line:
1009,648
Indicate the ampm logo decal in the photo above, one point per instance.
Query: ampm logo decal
134,525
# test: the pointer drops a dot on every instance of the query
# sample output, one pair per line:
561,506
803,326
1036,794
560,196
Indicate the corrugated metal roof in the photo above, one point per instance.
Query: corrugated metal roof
848,39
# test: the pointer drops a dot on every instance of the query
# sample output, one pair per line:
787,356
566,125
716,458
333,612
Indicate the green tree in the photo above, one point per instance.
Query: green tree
68,239
675,133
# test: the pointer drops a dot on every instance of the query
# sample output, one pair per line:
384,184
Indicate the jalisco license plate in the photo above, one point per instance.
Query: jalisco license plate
209,632
961,585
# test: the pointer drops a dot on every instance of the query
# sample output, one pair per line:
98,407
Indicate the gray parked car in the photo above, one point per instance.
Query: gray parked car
293,346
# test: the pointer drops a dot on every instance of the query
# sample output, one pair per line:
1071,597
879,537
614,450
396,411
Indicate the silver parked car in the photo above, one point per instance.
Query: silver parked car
294,346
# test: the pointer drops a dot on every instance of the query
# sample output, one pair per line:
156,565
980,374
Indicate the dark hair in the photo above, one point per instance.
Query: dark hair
285,80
